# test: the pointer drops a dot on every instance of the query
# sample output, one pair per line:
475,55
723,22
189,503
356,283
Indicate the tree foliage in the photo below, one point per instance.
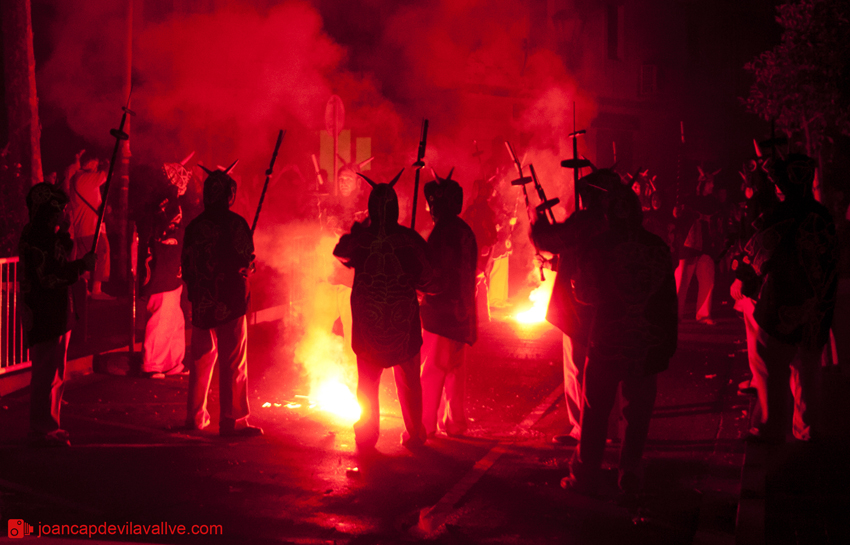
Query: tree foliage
804,82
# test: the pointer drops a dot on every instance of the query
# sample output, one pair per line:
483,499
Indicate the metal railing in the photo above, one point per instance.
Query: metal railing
14,355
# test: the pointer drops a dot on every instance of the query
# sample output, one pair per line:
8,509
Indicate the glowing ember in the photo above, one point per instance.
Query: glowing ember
539,298
334,397
266,405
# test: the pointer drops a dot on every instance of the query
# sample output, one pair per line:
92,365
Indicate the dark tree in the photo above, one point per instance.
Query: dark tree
802,83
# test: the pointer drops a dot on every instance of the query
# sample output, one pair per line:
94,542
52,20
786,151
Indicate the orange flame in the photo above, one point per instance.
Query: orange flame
539,298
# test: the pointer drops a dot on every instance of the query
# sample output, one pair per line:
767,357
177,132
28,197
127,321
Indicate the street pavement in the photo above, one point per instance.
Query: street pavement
304,482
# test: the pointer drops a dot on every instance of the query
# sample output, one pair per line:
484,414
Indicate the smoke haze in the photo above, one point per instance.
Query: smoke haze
222,82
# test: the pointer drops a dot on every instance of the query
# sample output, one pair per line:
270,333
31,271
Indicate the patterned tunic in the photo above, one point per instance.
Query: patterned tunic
47,273
217,251
390,264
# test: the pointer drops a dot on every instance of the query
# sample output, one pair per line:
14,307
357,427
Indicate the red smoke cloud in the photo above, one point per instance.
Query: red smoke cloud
223,83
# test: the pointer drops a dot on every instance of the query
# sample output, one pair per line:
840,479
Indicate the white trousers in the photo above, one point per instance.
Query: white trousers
165,333
787,365
226,344
575,355
443,368
703,267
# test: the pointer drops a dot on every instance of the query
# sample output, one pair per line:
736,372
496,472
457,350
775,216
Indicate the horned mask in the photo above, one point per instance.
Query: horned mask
383,202
177,174
219,188
444,196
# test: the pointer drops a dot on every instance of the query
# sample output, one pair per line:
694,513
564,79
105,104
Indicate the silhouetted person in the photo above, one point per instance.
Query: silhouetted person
165,335
795,257
449,318
86,201
390,264
481,217
568,241
218,254
696,256
760,199
626,278
47,312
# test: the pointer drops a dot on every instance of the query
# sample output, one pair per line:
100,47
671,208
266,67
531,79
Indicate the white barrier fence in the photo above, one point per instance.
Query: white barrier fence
13,354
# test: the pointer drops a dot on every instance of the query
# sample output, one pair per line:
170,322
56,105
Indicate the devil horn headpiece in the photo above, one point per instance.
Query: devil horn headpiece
373,184
220,168
397,176
440,179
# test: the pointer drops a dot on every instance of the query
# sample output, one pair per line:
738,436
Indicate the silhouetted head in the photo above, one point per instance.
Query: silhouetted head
624,210
219,189
794,176
383,202
46,204
705,182
595,187
444,196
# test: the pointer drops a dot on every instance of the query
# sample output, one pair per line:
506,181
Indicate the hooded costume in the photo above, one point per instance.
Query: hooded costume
47,312
625,277
795,256
165,343
390,264
567,240
218,253
449,318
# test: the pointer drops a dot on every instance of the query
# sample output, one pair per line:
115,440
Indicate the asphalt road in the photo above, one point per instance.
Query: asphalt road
304,482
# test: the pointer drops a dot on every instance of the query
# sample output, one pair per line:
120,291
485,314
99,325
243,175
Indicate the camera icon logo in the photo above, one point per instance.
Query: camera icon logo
18,528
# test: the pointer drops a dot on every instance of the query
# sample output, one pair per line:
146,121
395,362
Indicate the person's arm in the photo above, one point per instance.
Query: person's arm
344,249
52,269
469,261
670,308
553,238
188,262
243,244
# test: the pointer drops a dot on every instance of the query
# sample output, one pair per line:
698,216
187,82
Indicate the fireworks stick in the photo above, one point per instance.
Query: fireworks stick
269,172
420,155
545,205
119,135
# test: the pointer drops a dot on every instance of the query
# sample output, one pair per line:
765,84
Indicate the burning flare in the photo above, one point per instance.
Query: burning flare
539,298
334,397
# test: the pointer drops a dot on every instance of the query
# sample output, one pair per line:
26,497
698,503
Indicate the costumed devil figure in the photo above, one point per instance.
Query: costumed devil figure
760,199
794,256
626,279
449,318
568,241
218,254
390,264
165,344
701,219
48,312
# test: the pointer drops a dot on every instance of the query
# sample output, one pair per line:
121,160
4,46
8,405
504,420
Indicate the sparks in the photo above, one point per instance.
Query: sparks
539,298
334,397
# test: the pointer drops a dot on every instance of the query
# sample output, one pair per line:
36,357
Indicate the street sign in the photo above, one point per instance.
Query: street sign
334,115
